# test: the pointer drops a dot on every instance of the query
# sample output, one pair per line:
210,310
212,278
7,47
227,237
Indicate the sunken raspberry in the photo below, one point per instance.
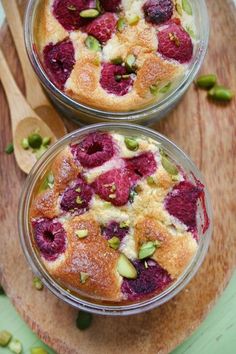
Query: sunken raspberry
141,166
50,238
59,60
158,11
149,280
113,186
95,149
111,5
112,81
77,197
102,27
68,12
181,202
114,229
175,43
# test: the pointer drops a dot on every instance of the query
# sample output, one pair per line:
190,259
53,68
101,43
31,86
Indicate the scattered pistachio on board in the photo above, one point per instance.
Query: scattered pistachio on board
38,350
38,283
37,143
216,92
15,346
84,320
5,338
9,149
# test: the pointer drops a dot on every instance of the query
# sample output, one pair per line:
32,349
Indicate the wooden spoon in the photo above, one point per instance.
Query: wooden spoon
34,92
23,119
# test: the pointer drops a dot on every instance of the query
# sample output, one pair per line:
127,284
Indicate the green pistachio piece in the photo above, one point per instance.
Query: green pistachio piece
150,181
82,233
89,13
125,268
147,249
179,9
124,224
48,182
25,144
98,6
83,277
84,320
40,152
131,144
114,242
2,292
93,44
169,166
166,88
47,140
71,7
190,31
9,149
129,62
121,23
206,81
117,60
187,7
15,346
5,338
154,90
107,205
133,20
78,190
145,264
221,93
38,283
38,350
79,200
35,140
132,195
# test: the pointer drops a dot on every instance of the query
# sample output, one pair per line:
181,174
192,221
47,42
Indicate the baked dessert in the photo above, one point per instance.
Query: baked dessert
115,55
114,219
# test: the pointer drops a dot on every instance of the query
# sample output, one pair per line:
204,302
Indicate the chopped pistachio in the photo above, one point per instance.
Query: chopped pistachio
131,144
82,233
78,190
9,149
47,140
84,320
154,90
221,93
117,60
147,249
145,264
98,6
35,140
79,200
118,77
174,38
107,204
206,81
124,224
175,178
15,346
112,196
132,195
40,152
169,166
121,23
83,277
133,20
89,13
114,242
138,188
165,88
179,9
71,7
150,181
48,182
187,7
25,144
125,268
38,283
93,44
129,63
5,338
190,31
38,350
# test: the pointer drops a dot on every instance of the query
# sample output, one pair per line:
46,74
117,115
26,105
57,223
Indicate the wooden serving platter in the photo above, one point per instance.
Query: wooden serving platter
207,132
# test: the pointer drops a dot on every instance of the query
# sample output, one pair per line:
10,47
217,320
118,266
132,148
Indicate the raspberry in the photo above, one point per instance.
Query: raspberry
141,166
59,60
181,202
149,280
114,229
102,27
110,82
95,149
68,12
158,11
175,43
77,198
50,238
113,186
110,5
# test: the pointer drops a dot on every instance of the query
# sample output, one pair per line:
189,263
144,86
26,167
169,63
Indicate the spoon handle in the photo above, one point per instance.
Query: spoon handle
34,93
17,104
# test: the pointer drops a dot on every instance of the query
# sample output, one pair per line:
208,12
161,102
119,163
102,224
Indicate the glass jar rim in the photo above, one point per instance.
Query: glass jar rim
135,115
62,293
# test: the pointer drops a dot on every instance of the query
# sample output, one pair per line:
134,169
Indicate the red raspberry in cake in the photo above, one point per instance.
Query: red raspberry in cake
114,229
113,186
50,238
102,27
68,12
94,149
77,197
158,11
150,279
175,43
141,166
181,202
59,60
111,5
114,79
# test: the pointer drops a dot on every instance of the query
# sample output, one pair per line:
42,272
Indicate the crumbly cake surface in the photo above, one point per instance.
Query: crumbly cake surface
108,196
121,60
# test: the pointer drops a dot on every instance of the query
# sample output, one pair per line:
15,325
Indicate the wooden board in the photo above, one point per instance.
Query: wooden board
207,132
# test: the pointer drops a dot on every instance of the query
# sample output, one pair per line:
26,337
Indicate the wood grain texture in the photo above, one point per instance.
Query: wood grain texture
207,132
